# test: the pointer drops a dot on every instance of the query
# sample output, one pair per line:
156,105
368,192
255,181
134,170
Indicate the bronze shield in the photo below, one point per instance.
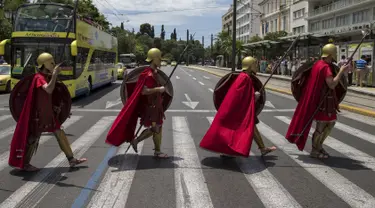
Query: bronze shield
60,98
130,80
224,84
299,80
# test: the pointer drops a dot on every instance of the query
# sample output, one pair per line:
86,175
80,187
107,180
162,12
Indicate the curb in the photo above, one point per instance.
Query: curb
354,109
288,79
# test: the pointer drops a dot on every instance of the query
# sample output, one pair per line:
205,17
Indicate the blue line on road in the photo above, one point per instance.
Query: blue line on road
85,193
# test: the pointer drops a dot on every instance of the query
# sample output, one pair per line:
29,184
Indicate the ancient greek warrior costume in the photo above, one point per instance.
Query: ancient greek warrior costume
149,107
315,95
39,114
233,128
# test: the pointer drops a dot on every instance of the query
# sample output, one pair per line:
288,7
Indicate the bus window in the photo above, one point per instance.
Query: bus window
81,61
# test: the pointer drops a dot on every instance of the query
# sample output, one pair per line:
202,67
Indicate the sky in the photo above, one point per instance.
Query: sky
202,17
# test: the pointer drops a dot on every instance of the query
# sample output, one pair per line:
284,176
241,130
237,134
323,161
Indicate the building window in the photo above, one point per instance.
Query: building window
299,13
276,25
284,23
361,16
315,26
328,23
298,30
343,20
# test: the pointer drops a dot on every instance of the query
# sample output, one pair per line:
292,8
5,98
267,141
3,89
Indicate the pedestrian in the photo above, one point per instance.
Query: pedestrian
318,83
39,116
238,103
146,100
360,66
349,73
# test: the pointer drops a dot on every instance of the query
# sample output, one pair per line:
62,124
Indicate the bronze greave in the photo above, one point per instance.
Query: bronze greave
327,130
64,143
157,136
258,138
32,146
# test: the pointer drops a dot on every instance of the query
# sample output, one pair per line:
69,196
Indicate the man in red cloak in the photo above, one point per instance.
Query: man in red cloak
146,101
320,80
233,128
38,115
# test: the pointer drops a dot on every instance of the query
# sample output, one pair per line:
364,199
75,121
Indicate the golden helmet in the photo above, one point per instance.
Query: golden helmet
43,58
152,54
249,62
329,49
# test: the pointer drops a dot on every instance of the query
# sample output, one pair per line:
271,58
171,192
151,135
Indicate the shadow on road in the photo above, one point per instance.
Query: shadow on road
335,162
96,94
232,165
122,162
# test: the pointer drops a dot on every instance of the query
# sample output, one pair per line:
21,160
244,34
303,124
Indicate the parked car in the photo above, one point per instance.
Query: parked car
173,63
5,78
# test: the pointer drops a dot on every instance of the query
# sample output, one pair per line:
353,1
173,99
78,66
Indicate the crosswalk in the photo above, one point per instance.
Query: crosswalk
194,182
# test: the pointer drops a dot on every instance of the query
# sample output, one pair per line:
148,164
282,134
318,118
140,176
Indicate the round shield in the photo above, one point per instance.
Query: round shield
224,84
299,80
60,98
130,81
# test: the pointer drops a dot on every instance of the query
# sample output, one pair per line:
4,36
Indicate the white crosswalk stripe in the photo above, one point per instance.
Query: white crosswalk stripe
189,175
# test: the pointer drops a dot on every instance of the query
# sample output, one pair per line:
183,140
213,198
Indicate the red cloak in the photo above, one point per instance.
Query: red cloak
310,98
26,123
123,128
232,129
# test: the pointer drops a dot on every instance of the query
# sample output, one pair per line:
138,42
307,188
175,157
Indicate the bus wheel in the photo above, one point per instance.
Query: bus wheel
8,87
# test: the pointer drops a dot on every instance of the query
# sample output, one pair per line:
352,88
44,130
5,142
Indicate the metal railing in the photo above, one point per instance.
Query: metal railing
335,6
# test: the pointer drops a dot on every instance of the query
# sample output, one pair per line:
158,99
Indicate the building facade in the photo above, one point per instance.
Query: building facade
248,13
275,16
298,14
227,20
344,20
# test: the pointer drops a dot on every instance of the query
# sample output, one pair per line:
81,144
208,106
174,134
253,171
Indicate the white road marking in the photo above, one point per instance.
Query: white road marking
190,184
201,83
269,104
110,104
189,75
210,89
177,77
194,78
114,189
206,77
342,187
268,189
3,118
7,132
355,132
366,160
79,147
5,156
189,103
360,118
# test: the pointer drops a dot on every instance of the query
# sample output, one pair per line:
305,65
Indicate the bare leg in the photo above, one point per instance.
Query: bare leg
31,148
144,135
157,137
317,138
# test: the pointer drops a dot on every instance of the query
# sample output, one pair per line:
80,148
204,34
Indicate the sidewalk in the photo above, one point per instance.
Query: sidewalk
356,100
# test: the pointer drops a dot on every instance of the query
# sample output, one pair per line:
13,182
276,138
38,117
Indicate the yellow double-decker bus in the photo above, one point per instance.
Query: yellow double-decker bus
90,53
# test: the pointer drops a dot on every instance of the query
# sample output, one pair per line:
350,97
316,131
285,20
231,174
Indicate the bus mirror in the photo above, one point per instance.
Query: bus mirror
2,46
74,48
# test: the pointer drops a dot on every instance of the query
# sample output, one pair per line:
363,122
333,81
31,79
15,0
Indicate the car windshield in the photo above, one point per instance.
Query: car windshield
43,17
4,70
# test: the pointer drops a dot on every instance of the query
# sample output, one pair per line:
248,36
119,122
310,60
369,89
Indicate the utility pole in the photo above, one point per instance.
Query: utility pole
234,35
203,59
187,52
212,47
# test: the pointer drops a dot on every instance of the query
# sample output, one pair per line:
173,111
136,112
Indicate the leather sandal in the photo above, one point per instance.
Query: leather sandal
161,155
73,162
267,150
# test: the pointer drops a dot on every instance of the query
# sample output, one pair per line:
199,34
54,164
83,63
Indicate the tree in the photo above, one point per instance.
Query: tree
152,32
175,34
122,26
162,34
275,35
255,39
145,28
133,31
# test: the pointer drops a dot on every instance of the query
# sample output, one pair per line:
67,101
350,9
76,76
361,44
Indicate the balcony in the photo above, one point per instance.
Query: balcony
336,6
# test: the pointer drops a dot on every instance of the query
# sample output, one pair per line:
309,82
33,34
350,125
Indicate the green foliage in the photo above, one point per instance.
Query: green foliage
275,35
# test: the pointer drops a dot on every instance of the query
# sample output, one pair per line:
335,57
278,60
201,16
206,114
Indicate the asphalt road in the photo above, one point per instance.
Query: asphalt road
192,177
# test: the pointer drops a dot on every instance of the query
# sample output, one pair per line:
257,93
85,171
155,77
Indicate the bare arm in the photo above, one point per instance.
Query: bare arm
332,82
51,85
